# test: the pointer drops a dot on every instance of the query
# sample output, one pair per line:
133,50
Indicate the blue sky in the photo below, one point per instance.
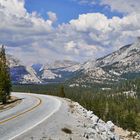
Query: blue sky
40,31
67,9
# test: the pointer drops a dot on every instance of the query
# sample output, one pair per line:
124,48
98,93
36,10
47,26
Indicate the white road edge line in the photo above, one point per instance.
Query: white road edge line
58,107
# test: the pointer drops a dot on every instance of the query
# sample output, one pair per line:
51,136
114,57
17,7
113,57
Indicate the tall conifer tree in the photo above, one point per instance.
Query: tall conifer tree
5,82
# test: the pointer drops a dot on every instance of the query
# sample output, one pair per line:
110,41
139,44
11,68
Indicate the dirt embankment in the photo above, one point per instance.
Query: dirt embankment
10,104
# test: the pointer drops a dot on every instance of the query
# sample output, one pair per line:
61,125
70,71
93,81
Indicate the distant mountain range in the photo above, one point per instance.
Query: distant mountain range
120,65
59,71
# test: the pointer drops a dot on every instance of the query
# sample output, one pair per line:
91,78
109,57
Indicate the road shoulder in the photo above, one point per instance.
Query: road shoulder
14,101
71,121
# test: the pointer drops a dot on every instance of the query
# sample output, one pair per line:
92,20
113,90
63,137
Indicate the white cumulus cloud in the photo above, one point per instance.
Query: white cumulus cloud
34,39
52,16
124,6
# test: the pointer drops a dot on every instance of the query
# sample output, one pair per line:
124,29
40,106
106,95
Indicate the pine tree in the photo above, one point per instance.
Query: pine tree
62,93
5,82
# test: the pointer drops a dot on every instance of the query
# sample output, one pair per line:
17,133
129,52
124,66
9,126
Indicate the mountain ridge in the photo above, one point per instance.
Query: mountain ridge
113,67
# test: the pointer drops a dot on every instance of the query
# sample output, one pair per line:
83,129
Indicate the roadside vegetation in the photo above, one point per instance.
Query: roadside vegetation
5,82
120,104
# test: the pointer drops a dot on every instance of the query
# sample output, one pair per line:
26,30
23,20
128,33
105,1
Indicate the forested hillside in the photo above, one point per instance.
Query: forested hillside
119,103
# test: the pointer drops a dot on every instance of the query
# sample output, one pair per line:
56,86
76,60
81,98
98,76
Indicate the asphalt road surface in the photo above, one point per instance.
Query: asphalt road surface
32,111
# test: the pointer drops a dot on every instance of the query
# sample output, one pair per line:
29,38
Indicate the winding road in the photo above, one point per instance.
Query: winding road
32,111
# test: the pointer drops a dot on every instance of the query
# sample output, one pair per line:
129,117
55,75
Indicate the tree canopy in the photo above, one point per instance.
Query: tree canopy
5,82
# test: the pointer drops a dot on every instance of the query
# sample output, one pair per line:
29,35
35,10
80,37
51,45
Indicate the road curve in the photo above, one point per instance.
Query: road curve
33,110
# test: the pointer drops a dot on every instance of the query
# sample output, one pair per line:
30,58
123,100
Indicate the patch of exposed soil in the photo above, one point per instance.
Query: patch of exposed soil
10,104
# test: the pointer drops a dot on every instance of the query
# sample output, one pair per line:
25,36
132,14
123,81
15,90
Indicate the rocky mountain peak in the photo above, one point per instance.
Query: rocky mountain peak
119,65
13,61
62,64
136,45
111,67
